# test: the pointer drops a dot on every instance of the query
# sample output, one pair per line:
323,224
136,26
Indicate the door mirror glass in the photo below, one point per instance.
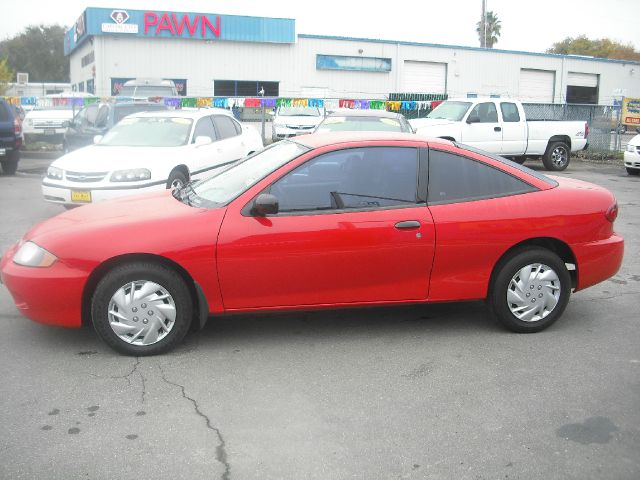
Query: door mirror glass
265,204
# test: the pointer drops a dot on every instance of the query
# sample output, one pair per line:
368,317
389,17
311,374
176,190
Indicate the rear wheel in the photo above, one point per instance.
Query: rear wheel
556,158
530,291
10,163
141,308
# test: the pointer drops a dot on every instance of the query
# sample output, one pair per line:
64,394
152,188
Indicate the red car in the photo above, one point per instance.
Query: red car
324,221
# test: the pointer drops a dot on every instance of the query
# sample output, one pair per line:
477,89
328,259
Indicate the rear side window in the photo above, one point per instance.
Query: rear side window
225,126
204,128
510,112
4,112
453,178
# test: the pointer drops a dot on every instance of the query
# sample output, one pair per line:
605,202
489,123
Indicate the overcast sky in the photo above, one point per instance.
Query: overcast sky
526,25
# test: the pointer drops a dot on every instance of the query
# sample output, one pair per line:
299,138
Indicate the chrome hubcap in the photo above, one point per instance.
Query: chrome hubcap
533,292
142,312
177,183
559,156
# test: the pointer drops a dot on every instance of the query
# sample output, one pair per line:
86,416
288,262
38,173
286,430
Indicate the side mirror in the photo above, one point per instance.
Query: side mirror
97,139
265,204
202,140
473,119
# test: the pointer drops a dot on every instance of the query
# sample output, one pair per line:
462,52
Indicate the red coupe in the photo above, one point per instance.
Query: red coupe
323,221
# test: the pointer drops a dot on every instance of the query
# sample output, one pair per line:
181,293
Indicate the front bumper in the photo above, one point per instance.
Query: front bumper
631,160
63,194
51,295
280,132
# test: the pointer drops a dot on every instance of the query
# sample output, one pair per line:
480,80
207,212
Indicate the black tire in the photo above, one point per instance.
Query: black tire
633,171
557,156
10,163
143,275
176,179
510,268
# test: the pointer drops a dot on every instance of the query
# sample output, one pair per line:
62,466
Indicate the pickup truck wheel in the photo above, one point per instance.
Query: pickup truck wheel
176,180
556,158
633,171
10,164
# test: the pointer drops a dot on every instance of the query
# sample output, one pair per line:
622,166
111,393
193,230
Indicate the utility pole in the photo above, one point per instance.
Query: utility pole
483,41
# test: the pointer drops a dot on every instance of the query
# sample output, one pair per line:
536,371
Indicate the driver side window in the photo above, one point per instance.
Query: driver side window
486,112
357,178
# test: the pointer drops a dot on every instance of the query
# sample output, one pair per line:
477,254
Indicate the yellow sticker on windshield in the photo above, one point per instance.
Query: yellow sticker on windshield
330,120
182,121
128,121
390,121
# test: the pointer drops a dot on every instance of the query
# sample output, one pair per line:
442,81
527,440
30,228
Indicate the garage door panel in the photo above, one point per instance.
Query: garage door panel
424,77
537,86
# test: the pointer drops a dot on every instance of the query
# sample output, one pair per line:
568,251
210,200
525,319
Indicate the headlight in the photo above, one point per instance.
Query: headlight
631,148
55,173
31,255
133,175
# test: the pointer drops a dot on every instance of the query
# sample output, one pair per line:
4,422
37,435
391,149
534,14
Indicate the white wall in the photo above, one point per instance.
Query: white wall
478,71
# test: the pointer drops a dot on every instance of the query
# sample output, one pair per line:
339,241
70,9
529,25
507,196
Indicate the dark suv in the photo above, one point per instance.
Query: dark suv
10,138
98,118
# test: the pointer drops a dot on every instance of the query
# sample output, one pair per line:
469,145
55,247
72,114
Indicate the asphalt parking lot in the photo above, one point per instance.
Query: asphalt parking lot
437,392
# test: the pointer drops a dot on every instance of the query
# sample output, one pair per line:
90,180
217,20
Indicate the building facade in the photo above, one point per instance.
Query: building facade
225,55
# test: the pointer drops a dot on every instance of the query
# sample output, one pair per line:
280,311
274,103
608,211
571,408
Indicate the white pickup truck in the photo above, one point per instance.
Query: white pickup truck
499,125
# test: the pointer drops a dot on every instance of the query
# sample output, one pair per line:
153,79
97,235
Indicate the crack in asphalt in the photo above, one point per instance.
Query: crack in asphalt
221,453
144,387
610,297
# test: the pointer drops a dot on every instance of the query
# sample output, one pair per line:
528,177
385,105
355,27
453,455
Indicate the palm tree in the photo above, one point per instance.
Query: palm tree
488,33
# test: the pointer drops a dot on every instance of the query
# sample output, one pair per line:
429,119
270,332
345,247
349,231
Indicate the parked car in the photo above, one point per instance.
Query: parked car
48,123
632,156
322,221
347,120
10,138
292,121
149,151
499,125
98,118
148,87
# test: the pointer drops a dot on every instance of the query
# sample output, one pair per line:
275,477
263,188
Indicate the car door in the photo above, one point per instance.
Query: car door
202,159
231,143
352,229
481,128
514,130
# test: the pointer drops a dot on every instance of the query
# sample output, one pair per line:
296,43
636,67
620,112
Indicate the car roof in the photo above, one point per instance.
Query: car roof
317,140
345,112
193,114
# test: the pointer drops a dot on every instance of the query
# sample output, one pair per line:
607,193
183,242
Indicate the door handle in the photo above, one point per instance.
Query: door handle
408,224
497,129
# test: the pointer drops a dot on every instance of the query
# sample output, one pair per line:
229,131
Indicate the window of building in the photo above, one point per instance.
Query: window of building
359,178
237,88
453,178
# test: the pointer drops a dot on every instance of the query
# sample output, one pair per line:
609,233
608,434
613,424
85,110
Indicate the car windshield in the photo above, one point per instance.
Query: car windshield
299,112
228,184
453,111
148,132
121,111
146,91
360,124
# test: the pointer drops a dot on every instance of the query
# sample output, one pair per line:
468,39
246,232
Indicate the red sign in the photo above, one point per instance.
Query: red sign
187,25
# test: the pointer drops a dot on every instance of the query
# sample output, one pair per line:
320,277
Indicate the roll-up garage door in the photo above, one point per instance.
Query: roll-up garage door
582,79
424,77
536,86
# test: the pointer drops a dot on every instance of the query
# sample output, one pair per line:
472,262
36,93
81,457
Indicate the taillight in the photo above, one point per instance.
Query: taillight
586,130
612,213
17,127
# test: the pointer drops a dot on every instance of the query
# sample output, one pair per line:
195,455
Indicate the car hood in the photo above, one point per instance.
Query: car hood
297,120
55,114
154,223
95,158
635,141
429,122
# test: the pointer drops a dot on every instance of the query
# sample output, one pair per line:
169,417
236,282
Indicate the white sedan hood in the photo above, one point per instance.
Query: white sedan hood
95,158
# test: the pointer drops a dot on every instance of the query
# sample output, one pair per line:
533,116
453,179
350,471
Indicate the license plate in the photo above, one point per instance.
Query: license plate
84,197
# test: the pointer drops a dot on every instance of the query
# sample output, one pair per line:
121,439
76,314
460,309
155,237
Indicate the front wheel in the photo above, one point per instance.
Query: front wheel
530,291
633,171
141,308
556,158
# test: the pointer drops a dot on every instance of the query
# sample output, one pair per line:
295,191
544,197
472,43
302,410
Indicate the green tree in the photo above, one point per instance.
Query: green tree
6,75
39,51
601,48
488,30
